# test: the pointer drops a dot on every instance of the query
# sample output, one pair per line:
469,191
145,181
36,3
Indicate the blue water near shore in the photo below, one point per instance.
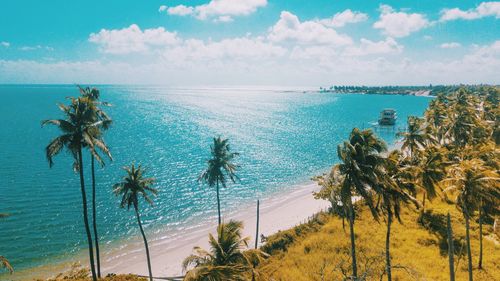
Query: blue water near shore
284,138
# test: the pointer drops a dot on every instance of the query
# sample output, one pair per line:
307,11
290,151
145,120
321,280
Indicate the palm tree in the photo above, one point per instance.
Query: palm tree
4,263
133,185
79,129
391,191
415,139
226,259
437,118
426,173
472,183
93,95
220,167
360,158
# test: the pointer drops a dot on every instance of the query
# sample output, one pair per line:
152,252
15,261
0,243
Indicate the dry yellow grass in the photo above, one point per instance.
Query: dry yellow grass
418,252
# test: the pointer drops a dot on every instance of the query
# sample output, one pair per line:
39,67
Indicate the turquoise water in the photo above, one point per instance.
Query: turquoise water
284,138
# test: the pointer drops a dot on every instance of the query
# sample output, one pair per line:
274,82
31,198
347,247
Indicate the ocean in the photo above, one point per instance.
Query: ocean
284,137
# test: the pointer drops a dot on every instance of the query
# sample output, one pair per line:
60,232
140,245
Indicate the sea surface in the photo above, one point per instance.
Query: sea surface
284,137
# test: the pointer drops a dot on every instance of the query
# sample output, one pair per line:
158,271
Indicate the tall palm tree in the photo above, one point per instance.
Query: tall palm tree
437,119
391,190
415,138
79,130
360,158
93,95
472,183
133,186
226,259
220,167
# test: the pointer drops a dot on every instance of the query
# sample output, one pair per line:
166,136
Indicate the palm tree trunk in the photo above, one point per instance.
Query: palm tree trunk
257,227
387,245
423,200
467,238
85,215
451,251
94,219
353,242
145,242
218,203
480,265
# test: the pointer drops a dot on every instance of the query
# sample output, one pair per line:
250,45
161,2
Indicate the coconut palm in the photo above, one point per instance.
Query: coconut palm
133,186
464,123
220,167
415,138
391,190
93,95
226,259
360,158
471,183
331,190
426,173
79,129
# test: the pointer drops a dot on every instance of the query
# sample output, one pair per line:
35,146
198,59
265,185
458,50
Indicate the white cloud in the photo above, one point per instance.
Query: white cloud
224,19
36,47
450,45
305,65
399,24
180,10
226,50
345,17
290,28
368,47
485,9
162,8
5,44
132,39
427,37
215,9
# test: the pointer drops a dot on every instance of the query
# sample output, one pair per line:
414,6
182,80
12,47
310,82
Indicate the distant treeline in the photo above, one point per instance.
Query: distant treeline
432,90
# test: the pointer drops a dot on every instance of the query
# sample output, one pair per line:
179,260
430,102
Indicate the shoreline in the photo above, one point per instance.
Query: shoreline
279,210
276,213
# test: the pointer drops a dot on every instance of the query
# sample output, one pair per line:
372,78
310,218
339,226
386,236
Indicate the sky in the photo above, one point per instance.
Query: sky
250,42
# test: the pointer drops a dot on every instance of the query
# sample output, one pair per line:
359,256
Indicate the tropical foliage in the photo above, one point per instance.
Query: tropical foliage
80,129
452,153
226,260
133,186
93,95
220,167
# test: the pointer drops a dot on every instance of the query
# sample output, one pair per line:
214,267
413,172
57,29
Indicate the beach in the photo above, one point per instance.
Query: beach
276,213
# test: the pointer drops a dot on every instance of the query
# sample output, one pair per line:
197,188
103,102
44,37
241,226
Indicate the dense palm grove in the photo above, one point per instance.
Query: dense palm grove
450,154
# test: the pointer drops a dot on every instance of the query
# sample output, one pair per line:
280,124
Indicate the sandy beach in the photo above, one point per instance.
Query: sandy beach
276,213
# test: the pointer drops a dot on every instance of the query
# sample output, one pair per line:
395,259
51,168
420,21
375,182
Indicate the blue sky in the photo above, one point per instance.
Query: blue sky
250,42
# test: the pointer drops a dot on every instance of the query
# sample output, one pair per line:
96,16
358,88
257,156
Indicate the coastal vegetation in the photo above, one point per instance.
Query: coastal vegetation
93,95
226,259
457,161
80,129
431,90
219,168
133,186
443,179
4,262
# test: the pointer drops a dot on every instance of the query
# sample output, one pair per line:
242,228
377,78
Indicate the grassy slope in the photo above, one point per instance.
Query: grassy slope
324,251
